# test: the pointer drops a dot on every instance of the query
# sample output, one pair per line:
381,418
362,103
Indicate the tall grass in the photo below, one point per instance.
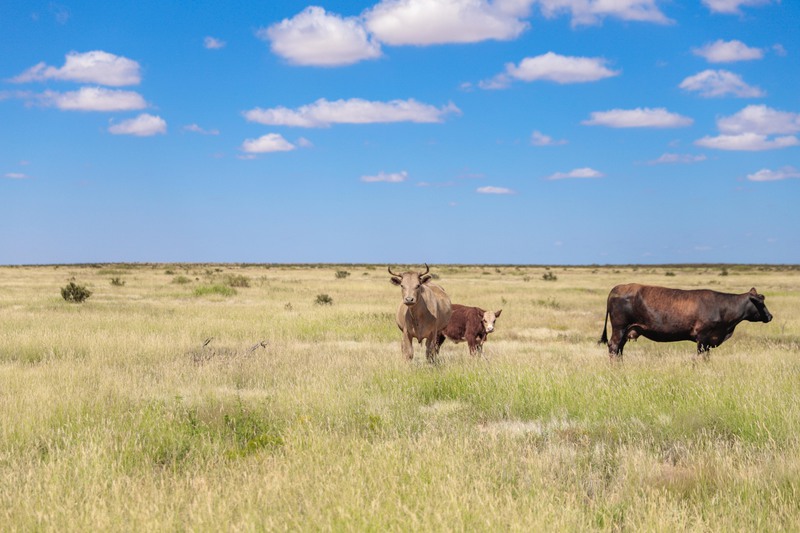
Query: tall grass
154,409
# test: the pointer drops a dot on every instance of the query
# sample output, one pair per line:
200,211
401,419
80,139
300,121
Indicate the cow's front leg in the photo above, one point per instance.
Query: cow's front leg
407,346
432,348
704,349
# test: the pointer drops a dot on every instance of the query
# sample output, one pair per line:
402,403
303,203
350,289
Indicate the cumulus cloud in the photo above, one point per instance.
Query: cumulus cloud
540,139
552,67
638,118
395,177
760,119
732,7
89,67
580,173
316,38
212,43
194,128
494,190
94,99
755,128
142,126
324,113
774,175
592,12
728,52
716,83
423,22
271,142
669,159
748,142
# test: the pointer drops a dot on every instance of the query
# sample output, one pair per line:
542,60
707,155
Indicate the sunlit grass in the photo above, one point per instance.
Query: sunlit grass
148,407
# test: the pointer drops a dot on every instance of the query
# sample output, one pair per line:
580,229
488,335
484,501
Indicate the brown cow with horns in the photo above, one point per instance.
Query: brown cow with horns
661,314
423,312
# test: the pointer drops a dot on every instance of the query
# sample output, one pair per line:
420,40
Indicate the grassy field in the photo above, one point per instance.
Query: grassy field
119,414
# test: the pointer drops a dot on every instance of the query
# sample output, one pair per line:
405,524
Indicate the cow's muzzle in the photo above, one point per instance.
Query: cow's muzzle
409,301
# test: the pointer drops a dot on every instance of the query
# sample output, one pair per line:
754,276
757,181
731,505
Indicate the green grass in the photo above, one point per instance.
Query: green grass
151,408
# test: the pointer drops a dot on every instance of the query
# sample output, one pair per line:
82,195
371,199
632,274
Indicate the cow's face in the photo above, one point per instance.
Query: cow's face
489,318
756,308
411,284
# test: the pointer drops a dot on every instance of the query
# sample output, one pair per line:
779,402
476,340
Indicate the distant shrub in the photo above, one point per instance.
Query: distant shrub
169,272
75,293
238,281
117,282
669,273
723,272
181,280
549,276
324,299
209,290
341,274
288,306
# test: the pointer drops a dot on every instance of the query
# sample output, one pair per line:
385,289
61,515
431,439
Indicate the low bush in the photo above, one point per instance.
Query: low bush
324,299
75,293
209,290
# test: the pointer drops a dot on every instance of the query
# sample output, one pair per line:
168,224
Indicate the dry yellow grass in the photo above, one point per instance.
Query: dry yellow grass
114,416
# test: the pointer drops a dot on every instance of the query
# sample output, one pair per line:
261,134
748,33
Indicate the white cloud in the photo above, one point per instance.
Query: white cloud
194,128
732,7
90,67
142,126
395,177
540,139
323,113
212,43
774,175
16,176
728,52
316,38
753,129
638,118
271,142
494,190
423,22
669,159
94,99
760,119
553,67
715,83
584,172
748,142
590,12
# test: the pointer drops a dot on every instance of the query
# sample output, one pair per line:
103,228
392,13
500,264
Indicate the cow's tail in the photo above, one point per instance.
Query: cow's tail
604,337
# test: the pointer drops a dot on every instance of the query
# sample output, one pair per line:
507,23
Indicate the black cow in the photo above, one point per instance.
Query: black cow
665,315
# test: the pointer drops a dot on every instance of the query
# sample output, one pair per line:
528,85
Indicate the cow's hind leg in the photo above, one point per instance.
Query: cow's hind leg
617,343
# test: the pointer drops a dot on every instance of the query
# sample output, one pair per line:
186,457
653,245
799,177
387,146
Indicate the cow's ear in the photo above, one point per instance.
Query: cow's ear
497,313
425,279
395,281
753,292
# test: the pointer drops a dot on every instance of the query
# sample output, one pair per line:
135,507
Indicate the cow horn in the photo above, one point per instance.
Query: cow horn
427,269
392,273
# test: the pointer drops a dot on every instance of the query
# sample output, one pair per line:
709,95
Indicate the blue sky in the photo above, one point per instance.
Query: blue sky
400,131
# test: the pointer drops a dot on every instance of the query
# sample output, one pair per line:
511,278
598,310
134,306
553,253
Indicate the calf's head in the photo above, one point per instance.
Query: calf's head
411,284
489,318
756,308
